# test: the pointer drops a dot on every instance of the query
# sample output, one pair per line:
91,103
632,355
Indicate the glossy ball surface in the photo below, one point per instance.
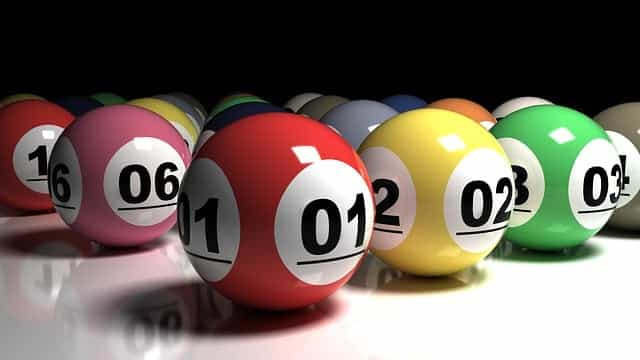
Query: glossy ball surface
567,176
444,191
403,103
115,173
274,230
622,123
29,130
468,108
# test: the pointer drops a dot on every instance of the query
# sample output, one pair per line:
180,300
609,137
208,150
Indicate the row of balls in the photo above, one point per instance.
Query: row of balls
275,193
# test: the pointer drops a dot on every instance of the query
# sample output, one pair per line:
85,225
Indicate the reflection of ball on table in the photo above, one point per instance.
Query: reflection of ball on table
622,123
567,176
290,239
444,191
128,306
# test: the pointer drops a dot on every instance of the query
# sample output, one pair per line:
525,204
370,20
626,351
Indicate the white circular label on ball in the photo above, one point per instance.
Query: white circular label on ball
595,184
478,200
209,220
204,137
142,180
395,197
41,280
528,178
630,165
31,156
324,222
186,135
65,180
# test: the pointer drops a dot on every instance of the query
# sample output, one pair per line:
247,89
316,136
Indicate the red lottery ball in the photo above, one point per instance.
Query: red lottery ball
276,211
28,131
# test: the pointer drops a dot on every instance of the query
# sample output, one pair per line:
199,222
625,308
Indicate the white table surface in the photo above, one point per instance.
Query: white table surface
63,298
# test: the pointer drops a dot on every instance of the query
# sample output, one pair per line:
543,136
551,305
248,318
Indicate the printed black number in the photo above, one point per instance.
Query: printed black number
468,199
504,215
589,180
208,212
392,197
520,177
309,224
161,179
40,153
468,194
184,223
625,177
357,211
59,186
125,184
617,172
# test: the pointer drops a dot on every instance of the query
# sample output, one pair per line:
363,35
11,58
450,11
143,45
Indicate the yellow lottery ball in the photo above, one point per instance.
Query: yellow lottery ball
18,97
444,191
174,115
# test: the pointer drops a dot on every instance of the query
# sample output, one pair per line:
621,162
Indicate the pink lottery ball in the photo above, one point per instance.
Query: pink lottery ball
114,175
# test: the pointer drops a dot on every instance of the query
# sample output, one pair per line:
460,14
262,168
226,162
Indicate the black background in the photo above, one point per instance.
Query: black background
588,86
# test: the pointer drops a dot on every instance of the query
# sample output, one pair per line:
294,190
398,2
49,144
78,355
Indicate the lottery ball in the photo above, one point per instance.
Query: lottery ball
319,106
196,119
233,114
28,131
32,283
292,238
444,191
622,123
231,101
295,103
403,103
567,176
145,310
516,104
114,175
78,105
106,98
173,115
468,108
18,97
354,120
193,101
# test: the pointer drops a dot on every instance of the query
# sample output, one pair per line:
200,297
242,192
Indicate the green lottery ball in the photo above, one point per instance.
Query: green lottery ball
567,176
106,98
